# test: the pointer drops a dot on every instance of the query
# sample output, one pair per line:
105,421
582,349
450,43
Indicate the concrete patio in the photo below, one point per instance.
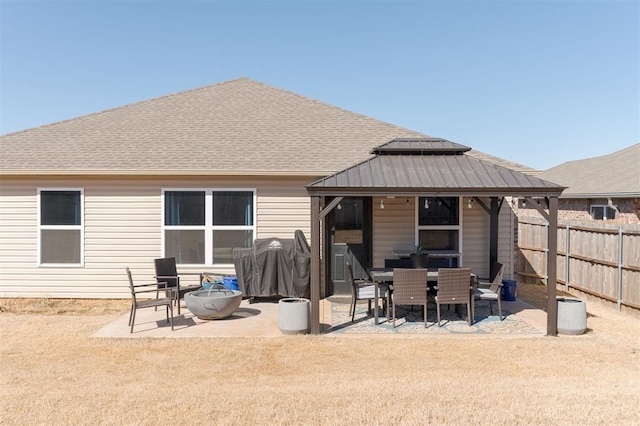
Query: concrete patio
260,319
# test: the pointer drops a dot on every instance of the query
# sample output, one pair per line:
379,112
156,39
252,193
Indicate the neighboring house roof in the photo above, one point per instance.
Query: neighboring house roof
403,167
613,175
239,127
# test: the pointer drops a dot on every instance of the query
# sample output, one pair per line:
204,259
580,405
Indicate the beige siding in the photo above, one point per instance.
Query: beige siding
475,238
506,234
122,228
393,227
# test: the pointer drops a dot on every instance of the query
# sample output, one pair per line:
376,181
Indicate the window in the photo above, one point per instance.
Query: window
60,226
439,223
602,212
202,227
349,221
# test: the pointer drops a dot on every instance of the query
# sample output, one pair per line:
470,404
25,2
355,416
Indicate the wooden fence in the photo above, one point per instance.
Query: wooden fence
598,259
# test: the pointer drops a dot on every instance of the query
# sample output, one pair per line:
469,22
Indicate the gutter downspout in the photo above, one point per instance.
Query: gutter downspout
614,207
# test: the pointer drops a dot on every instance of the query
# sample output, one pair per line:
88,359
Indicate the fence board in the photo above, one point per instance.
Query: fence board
591,260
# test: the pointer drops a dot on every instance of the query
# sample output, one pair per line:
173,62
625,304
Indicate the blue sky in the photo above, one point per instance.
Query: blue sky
536,82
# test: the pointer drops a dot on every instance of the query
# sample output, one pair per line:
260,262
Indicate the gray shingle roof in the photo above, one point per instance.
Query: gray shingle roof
612,175
438,172
237,127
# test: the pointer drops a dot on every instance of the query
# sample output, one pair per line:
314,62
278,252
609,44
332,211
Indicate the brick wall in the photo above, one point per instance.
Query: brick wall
579,209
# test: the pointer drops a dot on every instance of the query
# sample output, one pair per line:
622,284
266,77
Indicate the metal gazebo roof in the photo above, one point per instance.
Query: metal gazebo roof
433,166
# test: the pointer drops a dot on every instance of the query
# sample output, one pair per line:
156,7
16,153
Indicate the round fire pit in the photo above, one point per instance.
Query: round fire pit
213,303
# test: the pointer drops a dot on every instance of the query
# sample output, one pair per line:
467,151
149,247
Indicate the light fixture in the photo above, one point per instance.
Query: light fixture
407,200
524,203
339,206
470,203
381,203
426,203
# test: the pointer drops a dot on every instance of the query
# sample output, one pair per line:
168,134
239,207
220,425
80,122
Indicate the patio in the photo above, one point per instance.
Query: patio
260,319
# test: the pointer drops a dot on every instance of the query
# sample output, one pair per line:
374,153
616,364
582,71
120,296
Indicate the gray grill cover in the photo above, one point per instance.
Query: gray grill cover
274,267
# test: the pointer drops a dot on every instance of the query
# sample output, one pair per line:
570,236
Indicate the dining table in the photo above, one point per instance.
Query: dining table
385,276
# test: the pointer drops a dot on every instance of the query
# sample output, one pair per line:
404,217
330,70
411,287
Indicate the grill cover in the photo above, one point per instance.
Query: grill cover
274,267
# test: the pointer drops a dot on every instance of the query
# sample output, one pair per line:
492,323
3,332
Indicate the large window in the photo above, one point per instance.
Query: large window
60,226
439,223
202,227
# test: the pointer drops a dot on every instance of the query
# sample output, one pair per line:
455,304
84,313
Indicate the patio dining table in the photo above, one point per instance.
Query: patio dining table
385,275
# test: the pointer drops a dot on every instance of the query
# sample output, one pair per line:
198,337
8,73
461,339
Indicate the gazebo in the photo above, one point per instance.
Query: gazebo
431,167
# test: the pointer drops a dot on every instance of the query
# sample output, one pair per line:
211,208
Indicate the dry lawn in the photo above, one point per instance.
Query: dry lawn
52,372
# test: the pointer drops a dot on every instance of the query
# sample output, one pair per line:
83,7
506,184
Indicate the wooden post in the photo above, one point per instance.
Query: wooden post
315,265
552,267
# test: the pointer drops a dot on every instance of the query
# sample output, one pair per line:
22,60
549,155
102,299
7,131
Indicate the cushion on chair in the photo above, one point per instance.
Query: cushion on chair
367,291
485,294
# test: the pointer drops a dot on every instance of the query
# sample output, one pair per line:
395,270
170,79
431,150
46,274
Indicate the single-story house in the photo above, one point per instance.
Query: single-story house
198,173
604,188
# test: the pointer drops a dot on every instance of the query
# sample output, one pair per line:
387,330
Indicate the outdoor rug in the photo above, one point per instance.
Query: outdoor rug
412,321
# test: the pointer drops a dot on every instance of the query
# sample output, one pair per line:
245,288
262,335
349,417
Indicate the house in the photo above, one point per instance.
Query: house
605,188
198,173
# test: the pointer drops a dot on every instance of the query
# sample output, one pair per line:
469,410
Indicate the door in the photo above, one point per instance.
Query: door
349,236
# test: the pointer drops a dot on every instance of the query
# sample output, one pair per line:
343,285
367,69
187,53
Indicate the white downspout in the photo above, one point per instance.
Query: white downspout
610,204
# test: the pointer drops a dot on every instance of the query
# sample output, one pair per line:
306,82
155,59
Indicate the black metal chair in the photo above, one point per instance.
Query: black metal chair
491,290
149,289
167,272
364,290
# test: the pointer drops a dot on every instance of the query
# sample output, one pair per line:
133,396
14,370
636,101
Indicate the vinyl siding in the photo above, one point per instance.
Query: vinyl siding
122,224
506,234
394,227
475,237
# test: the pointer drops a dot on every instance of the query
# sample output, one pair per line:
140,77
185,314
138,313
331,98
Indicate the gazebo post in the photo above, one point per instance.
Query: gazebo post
315,265
552,267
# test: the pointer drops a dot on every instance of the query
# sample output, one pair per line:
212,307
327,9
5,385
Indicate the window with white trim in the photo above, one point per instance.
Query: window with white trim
602,212
60,226
439,223
203,226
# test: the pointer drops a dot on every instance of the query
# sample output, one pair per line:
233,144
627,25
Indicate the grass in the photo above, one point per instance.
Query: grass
46,306
53,373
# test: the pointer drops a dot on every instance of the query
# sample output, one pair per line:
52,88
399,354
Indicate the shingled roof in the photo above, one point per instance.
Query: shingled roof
613,175
239,127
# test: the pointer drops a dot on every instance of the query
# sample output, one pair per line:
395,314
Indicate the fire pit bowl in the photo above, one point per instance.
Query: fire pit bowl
215,303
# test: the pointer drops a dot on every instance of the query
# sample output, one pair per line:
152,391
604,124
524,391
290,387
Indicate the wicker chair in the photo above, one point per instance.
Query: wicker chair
491,290
149,289
409,288
454,288
166,272
364,290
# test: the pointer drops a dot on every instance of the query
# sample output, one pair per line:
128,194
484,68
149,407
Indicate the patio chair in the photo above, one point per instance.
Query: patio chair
454,288
149,289
491,290
365,290
409,288
166,272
